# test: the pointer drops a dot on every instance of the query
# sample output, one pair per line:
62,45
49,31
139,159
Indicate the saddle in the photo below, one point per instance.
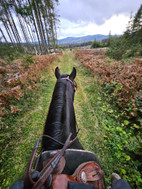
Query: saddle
54,170
86,173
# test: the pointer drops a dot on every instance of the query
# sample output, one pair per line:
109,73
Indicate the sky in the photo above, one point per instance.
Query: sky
90,17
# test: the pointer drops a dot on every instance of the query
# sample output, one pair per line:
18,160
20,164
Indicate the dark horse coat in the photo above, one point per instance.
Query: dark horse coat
61,116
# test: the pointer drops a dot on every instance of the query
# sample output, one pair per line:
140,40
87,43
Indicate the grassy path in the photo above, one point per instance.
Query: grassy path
90,108
23,131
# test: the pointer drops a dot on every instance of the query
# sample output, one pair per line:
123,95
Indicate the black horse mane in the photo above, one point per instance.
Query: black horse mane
57,125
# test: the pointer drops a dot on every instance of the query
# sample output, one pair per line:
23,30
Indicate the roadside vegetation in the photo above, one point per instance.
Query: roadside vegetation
21,75
9,53
22,111
120,103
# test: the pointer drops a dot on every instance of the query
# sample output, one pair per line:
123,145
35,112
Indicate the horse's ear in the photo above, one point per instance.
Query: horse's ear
57,73
73,74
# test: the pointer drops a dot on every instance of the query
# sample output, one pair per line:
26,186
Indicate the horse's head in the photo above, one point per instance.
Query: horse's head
67,80
66,77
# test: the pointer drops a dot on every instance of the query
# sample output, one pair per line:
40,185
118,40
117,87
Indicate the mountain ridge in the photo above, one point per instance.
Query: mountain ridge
70,40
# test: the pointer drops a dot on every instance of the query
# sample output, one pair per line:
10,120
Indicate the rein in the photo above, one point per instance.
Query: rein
45,176
71,141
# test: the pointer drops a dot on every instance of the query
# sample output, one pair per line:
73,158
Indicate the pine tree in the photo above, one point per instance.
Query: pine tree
134,29
37,22
137,26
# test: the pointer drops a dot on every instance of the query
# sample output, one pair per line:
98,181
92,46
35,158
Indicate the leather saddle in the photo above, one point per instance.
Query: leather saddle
78,166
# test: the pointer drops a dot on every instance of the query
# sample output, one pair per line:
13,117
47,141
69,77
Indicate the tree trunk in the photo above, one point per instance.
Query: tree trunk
42,29
11,26
38,24
3,35
15,28
34,22
9,33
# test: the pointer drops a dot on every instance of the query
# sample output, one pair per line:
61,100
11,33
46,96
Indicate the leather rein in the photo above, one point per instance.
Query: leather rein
45,174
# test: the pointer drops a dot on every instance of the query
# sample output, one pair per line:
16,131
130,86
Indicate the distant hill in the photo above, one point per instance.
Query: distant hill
71,40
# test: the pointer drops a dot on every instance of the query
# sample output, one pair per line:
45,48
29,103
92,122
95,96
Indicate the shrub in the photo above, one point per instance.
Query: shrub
98,44
117,47
95,44
9,52
27,60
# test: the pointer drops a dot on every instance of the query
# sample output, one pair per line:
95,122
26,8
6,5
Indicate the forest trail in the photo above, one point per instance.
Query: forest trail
31,124
99,122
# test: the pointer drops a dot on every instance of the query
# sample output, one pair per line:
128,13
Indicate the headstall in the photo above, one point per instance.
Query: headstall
72,82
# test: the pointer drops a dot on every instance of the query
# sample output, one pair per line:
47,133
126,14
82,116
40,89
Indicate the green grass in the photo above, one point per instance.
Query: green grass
19,131
101,130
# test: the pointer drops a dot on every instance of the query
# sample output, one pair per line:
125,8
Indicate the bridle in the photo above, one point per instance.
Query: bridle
72,82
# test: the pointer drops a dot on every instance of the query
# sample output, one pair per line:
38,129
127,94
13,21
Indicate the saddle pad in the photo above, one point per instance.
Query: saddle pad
74,158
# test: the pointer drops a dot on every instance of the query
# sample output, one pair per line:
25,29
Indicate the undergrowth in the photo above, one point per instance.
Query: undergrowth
119,146
20,128
10,53
27,78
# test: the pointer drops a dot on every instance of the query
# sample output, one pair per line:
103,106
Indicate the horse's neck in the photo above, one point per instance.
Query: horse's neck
61,118
62,110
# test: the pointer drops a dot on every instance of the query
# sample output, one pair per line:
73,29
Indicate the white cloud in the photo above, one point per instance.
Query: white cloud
116,24
89,17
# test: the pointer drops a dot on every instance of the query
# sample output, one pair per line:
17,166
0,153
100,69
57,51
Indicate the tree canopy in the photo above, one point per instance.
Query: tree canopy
129,44
134,29
29,23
